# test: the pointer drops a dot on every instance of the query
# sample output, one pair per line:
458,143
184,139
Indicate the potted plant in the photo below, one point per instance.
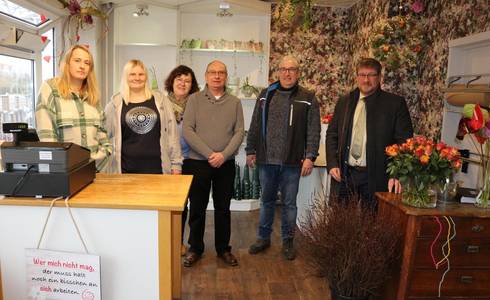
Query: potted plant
248,90
350,246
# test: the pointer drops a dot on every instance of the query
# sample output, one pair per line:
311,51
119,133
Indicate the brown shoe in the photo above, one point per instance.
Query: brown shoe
228,258
191,258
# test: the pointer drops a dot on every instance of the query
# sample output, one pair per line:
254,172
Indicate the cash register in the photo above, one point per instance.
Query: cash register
42,169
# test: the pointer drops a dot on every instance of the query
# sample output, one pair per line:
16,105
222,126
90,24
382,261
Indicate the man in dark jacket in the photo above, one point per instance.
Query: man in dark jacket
283,140
365,121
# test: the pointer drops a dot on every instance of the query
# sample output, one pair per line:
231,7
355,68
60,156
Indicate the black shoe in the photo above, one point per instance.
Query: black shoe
228,258
259,246
191,258
288,249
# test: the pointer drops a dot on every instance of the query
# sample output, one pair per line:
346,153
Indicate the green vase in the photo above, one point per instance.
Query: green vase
255,183
246,183
237,189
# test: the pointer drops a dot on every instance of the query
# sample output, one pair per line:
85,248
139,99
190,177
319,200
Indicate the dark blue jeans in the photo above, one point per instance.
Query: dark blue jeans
271,178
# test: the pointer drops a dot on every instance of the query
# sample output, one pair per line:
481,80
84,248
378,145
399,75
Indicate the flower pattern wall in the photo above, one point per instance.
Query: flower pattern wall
339,37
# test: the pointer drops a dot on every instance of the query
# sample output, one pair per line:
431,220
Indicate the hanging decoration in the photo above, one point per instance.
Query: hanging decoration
398,42
298,11
81,17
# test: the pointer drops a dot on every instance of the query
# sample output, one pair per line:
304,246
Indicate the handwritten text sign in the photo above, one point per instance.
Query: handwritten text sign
60,275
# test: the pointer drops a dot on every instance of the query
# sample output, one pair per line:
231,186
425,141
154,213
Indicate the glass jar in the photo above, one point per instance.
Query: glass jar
419,194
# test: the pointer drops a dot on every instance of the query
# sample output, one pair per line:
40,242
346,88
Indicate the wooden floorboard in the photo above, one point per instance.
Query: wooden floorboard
263,276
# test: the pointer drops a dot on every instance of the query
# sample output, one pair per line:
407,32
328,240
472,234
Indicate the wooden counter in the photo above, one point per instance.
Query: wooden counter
165,194
416,277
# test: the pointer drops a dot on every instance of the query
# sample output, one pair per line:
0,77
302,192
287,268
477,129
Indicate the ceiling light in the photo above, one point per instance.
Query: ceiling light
223,10
141,10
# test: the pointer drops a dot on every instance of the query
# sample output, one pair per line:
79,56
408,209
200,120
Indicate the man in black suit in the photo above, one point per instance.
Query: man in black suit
365,121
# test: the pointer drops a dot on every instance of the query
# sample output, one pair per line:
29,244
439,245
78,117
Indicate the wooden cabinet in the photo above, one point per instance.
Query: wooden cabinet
416,276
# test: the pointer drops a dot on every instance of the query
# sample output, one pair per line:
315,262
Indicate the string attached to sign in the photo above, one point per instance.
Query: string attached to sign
72,218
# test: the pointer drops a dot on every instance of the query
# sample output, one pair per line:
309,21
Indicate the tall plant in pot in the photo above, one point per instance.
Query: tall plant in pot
350,246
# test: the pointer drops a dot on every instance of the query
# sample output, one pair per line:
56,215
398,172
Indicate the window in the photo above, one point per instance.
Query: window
16,91
47,57
18,12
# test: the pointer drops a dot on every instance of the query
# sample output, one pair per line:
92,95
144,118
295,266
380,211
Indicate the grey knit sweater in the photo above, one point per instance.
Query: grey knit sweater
213,125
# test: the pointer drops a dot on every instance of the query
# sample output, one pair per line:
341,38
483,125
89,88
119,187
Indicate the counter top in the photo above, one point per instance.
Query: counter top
123,191
442,209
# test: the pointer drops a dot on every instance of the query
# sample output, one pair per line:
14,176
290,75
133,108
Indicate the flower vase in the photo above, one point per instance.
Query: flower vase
420,194
483,198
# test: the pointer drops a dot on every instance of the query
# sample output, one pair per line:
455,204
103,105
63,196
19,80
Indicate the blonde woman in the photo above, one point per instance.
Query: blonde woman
68,107
142,127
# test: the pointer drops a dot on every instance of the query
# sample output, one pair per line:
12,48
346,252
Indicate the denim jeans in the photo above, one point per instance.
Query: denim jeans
286,178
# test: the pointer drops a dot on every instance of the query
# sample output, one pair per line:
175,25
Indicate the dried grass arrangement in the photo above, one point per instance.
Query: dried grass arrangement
350,246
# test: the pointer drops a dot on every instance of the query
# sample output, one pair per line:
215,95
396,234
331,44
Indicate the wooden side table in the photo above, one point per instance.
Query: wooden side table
417,278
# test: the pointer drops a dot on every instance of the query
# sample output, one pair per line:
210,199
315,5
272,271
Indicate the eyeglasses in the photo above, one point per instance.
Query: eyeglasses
217,73
183,81
370,75
288,70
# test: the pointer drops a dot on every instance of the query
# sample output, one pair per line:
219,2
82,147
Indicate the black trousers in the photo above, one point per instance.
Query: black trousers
354,184
221,181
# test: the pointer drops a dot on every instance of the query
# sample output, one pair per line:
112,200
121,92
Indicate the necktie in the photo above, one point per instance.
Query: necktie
359,131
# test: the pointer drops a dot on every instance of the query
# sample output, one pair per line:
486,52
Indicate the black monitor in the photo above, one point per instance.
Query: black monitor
29,136
21,132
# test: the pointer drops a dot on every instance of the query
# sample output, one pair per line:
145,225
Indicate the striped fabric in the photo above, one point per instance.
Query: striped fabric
72,120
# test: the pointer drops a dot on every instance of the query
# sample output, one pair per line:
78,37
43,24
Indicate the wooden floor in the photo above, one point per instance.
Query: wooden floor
263,276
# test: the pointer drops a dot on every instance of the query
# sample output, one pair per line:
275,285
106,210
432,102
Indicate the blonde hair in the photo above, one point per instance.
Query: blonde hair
89,86
124,87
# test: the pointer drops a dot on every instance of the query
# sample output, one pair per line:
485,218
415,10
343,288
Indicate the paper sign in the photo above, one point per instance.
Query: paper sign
45,155
57,275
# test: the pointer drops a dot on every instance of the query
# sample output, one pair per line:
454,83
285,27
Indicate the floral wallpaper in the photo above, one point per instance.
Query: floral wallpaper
338,37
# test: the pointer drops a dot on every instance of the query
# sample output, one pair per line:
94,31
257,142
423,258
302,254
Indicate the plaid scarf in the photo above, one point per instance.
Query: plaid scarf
179,107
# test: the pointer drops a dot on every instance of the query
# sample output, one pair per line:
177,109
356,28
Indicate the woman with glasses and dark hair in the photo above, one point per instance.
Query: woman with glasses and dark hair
142,127
180,83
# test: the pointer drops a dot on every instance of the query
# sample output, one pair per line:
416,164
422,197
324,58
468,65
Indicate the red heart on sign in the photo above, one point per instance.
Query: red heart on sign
47,58
44,38
43,18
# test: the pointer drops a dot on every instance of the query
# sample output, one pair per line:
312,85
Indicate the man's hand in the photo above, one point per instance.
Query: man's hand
216,159
394,184
251,160
335,173
175,172
307,167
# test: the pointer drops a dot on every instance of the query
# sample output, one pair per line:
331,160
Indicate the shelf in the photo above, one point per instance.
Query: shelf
145,44
239,205
221,51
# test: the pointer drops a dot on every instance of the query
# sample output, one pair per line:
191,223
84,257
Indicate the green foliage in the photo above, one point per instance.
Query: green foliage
299,8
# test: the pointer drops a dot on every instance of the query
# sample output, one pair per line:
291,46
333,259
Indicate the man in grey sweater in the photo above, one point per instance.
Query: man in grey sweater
213,128
283,139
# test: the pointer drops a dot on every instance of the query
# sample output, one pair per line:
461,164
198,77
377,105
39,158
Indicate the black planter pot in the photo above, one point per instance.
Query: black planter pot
336,296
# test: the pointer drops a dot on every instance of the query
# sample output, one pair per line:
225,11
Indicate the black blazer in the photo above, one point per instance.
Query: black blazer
388,122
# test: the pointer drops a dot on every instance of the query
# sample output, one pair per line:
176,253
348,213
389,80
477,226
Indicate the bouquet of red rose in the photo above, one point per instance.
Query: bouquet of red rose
419,163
